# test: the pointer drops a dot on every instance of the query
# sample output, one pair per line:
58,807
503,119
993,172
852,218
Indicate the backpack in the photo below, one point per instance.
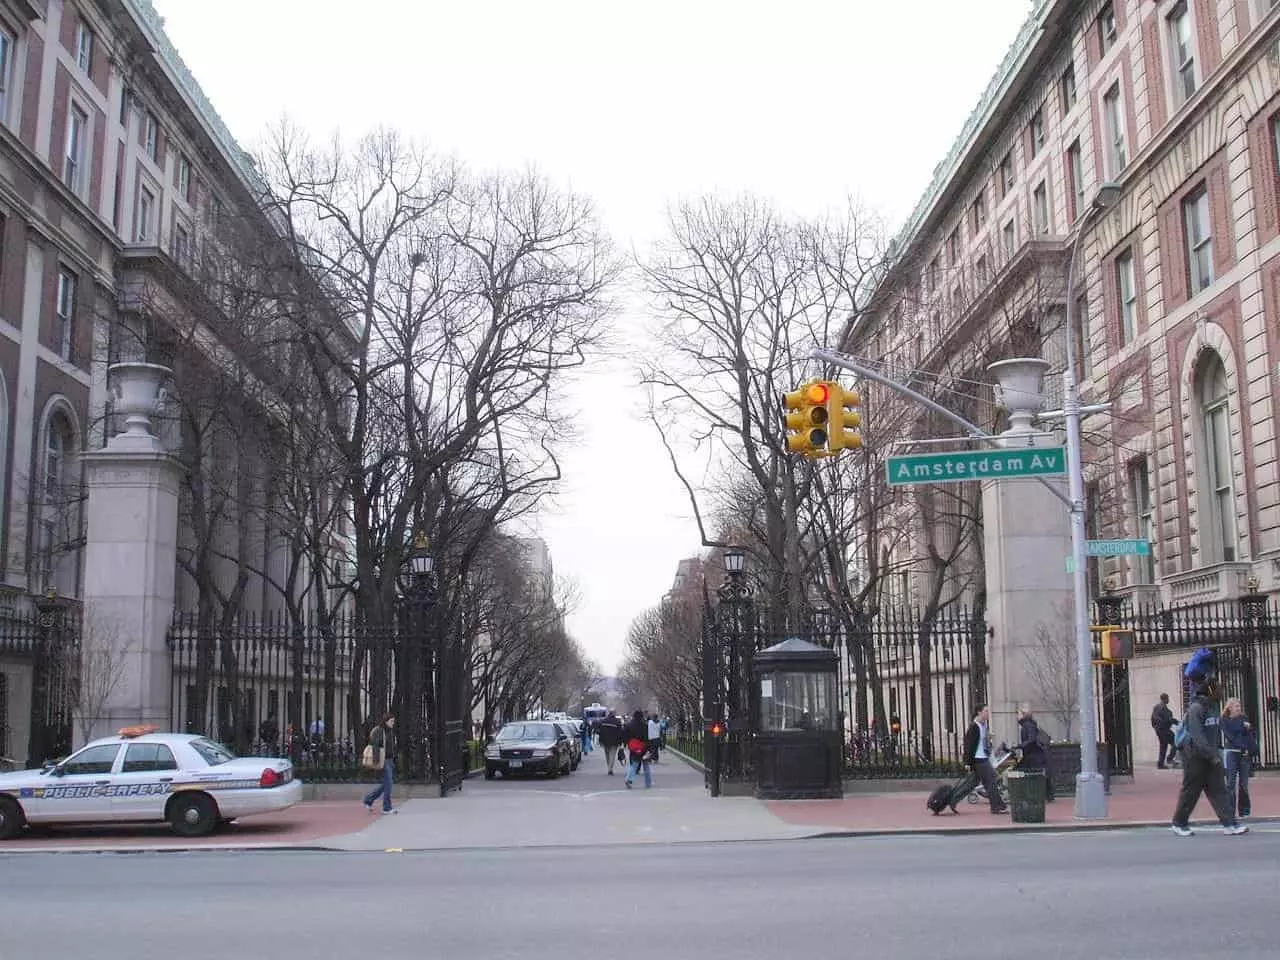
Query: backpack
1042,739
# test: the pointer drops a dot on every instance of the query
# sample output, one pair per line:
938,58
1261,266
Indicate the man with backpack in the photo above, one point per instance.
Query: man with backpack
1162,722
1200,739
609,730
1035,748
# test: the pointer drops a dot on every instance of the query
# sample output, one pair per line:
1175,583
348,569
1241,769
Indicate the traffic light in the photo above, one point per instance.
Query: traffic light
843,420
1117,644
807,419
716,728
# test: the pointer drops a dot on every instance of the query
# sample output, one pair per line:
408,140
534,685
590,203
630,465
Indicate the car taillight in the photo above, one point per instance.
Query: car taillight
270,778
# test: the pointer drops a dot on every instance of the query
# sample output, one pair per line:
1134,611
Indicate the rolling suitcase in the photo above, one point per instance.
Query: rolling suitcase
948,795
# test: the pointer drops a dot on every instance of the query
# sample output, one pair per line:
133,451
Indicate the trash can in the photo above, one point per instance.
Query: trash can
1026,795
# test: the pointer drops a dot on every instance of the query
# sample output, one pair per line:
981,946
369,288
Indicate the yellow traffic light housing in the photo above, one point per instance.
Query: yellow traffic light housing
807,420
1117,644
843,418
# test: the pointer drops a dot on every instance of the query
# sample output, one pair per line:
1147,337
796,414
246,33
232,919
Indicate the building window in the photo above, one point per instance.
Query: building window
932,275
146,211
184,177
7,50
126,102
1117,149
1182,51
1199,237
953,247
1084,346
77,134
1068,87
1127,295
1036,130
1106,29
151,137
1093,530
1144,567
1040,208
979,210
1010,237
983,271
181,245
1215,475
84,47
1006,175
1274,123
1075,180
65,310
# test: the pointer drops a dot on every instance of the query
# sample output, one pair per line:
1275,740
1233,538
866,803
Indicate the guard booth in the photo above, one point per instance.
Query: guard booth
798,739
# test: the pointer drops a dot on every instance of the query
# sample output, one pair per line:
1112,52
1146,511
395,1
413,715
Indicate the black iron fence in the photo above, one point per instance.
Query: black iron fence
1244,633
312,691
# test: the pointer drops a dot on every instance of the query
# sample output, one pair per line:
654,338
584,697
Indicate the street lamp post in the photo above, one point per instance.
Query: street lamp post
1091,794
735,600
419,595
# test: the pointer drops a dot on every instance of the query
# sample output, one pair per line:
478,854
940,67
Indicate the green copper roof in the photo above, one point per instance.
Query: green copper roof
152,24
996,90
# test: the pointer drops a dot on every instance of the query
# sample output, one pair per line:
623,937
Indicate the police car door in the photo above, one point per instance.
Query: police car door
80,788
141,788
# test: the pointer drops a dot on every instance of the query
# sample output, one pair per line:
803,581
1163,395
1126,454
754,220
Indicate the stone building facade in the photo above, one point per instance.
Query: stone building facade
115,173
1178,103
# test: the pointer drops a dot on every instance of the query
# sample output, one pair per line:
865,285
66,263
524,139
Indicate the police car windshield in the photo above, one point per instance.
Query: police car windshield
213,753
528,731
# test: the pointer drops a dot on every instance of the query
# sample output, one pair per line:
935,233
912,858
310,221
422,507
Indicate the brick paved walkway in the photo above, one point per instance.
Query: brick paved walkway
1148,798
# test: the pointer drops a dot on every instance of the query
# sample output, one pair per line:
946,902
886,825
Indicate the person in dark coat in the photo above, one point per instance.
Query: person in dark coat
977,756
637,736
610,732
1035,748
1162,722
1202,764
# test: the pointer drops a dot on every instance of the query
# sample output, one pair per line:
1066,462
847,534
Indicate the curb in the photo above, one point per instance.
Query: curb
1083,826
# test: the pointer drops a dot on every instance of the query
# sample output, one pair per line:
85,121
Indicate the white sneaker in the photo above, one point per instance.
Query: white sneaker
1235,829
1181,831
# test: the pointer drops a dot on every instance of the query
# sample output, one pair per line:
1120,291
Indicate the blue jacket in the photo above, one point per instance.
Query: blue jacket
1236,736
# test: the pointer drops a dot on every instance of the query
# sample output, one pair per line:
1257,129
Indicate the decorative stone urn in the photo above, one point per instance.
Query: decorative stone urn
135,391
1020,390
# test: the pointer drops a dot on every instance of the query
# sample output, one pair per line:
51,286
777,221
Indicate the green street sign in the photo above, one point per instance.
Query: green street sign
975,465
1118,548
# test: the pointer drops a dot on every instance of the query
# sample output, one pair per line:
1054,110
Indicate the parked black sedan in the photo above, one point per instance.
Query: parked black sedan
529,746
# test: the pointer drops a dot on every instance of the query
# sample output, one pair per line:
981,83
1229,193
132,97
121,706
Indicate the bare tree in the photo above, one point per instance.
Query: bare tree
102,658
1051,666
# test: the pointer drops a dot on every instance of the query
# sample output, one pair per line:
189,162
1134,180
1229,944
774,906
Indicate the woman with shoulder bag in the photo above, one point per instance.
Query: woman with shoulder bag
637,734
381,749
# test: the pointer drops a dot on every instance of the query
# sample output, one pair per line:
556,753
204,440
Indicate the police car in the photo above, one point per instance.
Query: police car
143,776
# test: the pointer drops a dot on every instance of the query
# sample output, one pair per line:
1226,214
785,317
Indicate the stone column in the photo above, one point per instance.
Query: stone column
130,562
1027,539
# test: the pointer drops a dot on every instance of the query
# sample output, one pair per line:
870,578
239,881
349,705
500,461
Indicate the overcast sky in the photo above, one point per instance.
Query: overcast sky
636,105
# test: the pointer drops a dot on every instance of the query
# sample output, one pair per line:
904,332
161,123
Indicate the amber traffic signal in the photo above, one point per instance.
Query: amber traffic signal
806,418
843,418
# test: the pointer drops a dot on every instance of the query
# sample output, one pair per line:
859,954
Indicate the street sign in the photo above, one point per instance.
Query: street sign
975,465
1118,548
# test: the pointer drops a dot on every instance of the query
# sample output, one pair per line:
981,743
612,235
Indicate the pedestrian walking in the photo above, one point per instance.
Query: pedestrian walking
1163,722
1202,763
611,740
1240,747
637,735
1035,748
383,740
977,755
586,736
654,736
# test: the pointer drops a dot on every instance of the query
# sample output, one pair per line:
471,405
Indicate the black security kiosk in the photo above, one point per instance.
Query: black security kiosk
798,737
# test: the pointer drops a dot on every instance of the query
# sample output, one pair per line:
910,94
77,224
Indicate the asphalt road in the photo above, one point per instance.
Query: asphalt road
1130,895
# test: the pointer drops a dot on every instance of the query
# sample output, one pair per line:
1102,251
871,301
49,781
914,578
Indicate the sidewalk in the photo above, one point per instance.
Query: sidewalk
1146,800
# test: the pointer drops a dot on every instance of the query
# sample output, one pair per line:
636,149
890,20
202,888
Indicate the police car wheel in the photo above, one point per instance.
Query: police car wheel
193,815
11,819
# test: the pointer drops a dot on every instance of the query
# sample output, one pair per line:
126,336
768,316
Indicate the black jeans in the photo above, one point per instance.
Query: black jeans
987,774
1202,775
1166,748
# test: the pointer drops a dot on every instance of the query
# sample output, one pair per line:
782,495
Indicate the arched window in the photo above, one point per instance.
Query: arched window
1218,538
61,507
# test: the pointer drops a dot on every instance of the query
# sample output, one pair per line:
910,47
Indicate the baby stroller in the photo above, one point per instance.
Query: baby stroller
1006,759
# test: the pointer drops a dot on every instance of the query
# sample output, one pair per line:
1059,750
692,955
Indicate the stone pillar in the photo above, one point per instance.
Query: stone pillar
1027,539
130,563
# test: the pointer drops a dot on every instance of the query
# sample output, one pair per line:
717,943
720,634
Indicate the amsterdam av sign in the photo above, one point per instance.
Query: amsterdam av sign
976,465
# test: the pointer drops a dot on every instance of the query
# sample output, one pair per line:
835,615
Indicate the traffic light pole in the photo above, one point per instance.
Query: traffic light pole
1091,798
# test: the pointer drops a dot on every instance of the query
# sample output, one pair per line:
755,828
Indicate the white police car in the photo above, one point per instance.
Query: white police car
144,776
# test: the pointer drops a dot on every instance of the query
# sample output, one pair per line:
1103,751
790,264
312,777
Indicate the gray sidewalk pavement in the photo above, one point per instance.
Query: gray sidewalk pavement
586,808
